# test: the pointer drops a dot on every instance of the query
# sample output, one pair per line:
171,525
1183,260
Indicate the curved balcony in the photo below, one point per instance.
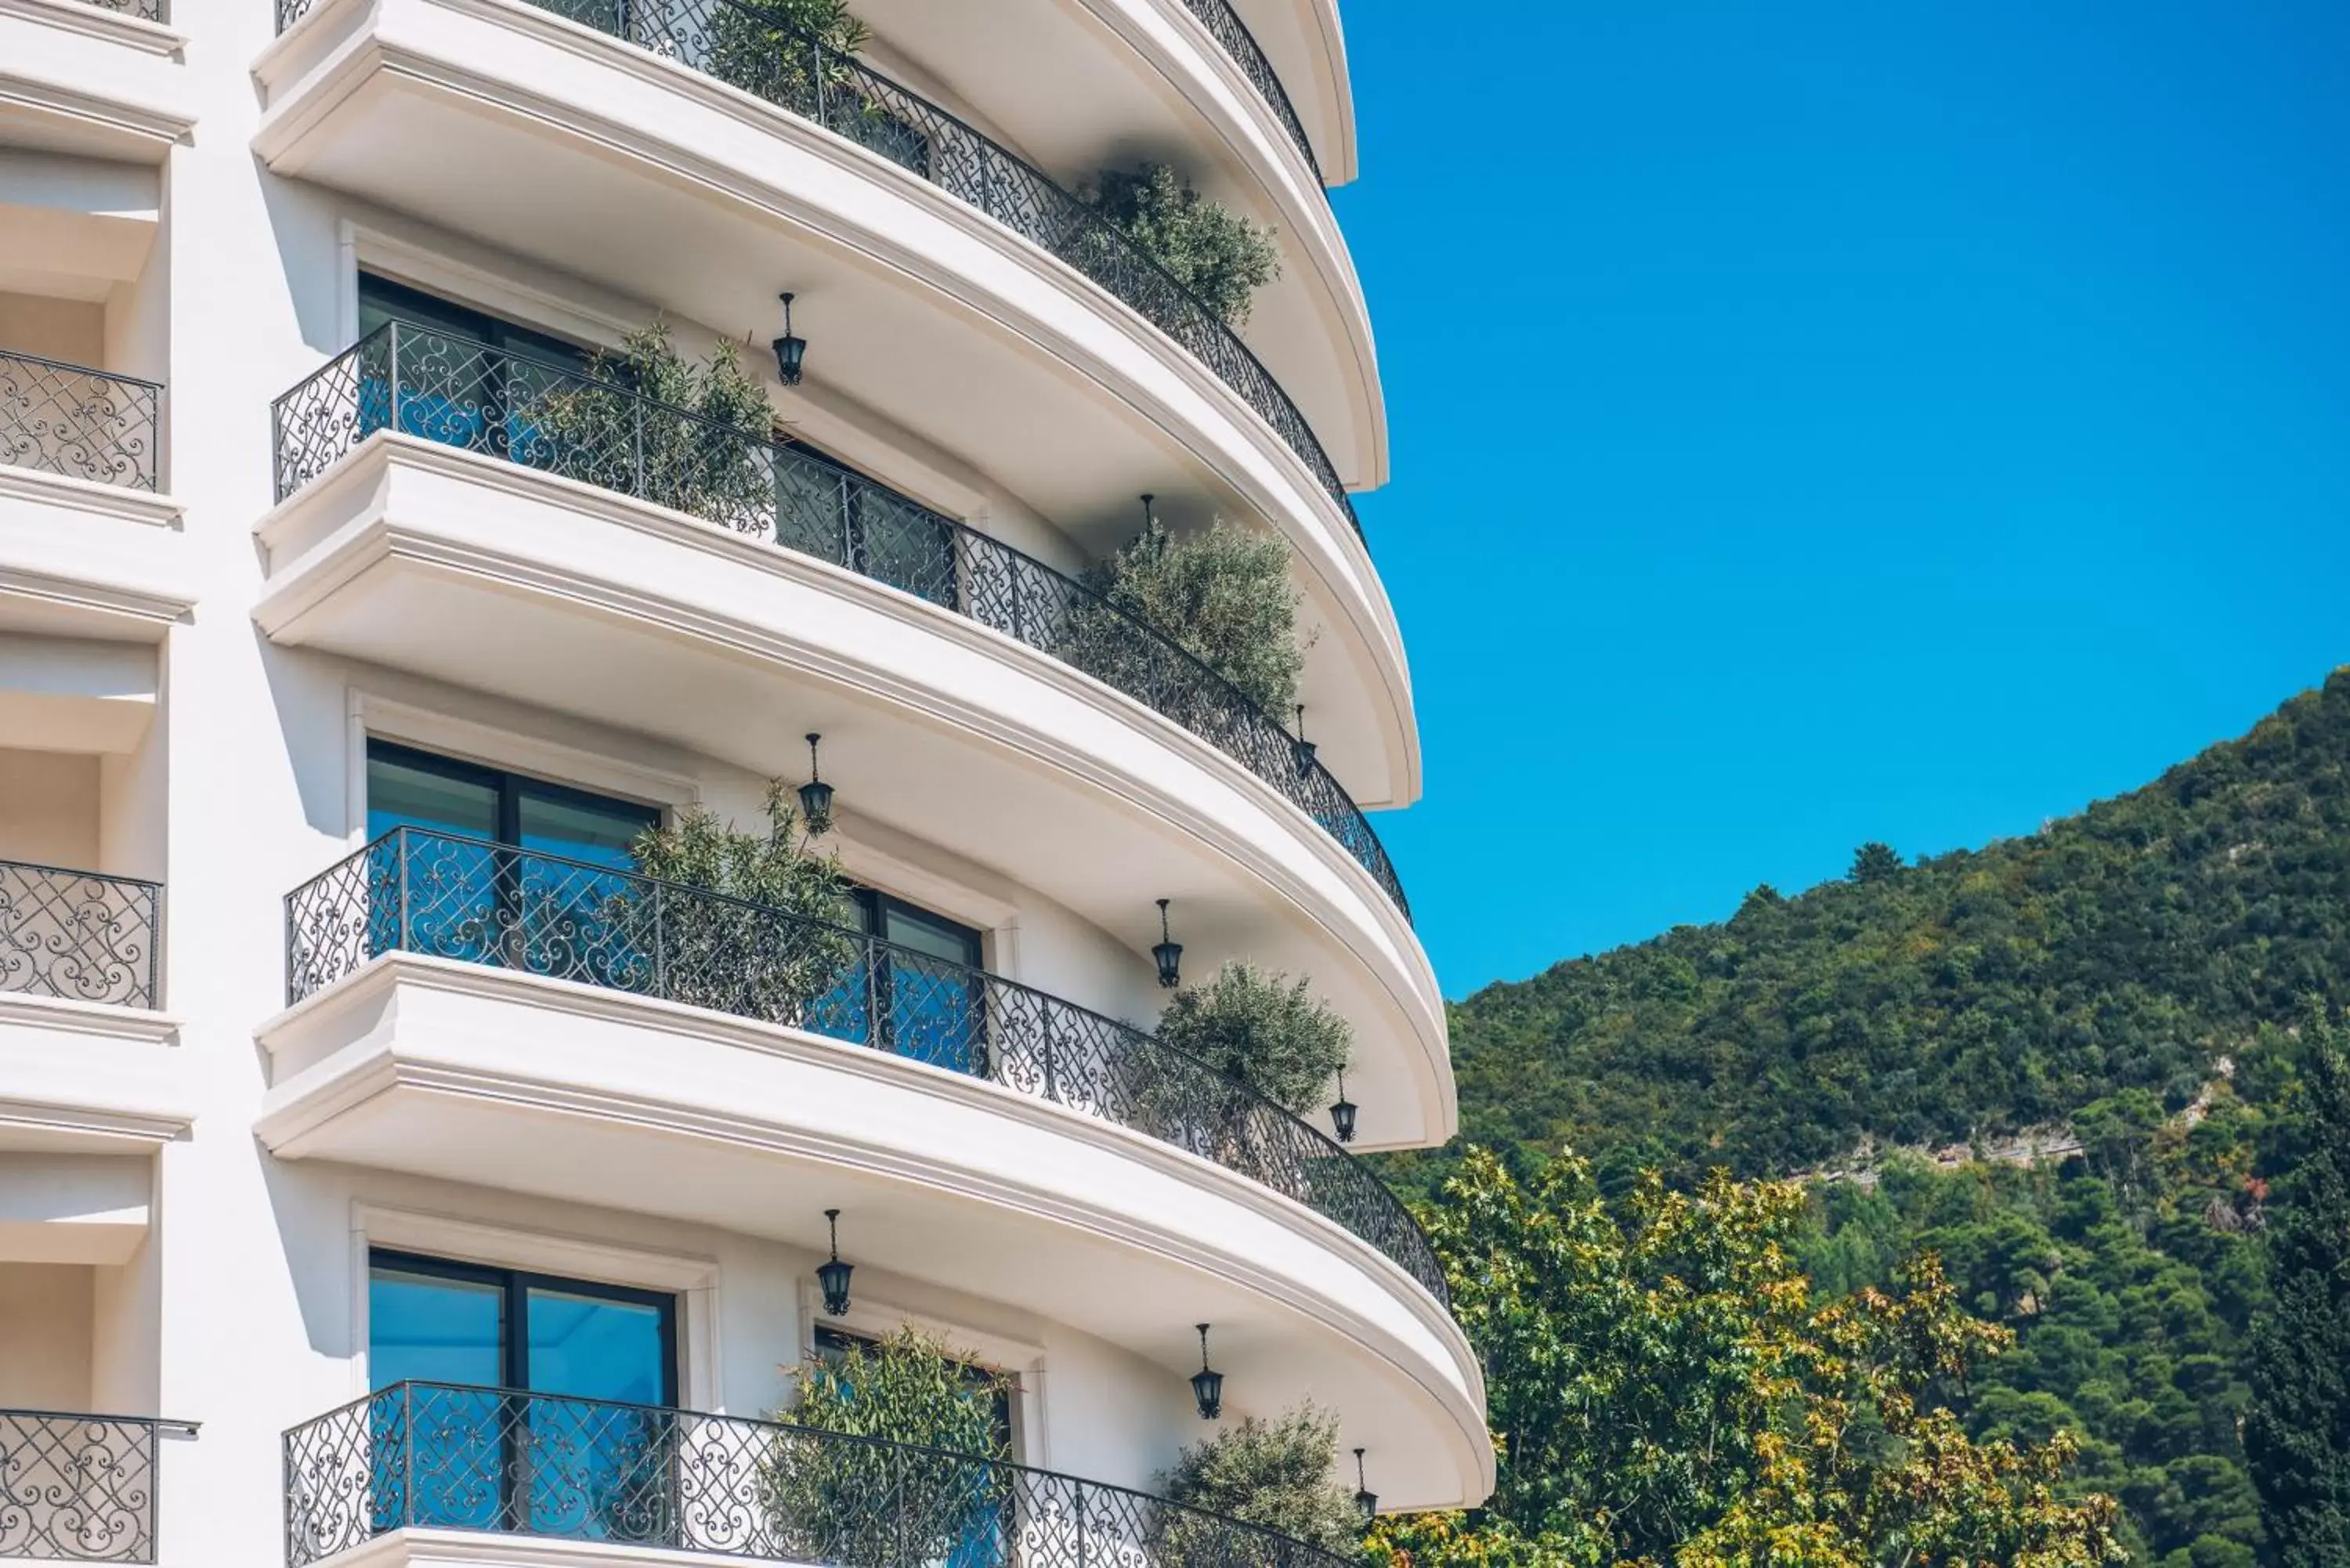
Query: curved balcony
414,891
1221,20
746,47
545,416
435,1456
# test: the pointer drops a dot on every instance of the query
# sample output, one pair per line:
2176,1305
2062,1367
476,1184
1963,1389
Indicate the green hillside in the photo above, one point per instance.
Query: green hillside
2099,1016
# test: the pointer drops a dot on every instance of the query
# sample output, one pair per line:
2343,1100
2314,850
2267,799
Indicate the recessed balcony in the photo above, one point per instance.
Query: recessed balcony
85,1059
635,1482
79,1488
89,426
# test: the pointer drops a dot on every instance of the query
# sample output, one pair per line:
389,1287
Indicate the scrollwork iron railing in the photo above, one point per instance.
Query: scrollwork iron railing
79,936
84,423
501,1461
145,10
437,894
746,46
78,1488
544,415
1219,17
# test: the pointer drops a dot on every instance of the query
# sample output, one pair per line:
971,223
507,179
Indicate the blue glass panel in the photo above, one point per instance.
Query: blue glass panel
444,1446
597,1473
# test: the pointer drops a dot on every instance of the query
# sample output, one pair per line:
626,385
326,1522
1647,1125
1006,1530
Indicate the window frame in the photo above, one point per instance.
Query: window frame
513,1351
508,783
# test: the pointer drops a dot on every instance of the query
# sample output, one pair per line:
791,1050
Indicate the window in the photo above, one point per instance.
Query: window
833,1344
467,379
826,509
536,1401
505,870
920,987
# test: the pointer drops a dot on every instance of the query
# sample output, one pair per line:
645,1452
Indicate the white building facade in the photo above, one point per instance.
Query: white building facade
389,1171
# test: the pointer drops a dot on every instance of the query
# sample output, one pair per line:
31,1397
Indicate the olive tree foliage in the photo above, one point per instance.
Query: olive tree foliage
1263,1030
1219,256
753,923
649,423
911,1466
1223,595
1280,1474
1668,1388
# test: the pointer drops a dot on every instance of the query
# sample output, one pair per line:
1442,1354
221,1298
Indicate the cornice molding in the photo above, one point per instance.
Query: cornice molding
150,507
61,1016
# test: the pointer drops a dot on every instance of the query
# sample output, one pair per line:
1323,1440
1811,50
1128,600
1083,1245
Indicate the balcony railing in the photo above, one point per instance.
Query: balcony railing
79,936
544,415
748,46
499,1461
145,10
1219,17
417,891
74,420
76,1489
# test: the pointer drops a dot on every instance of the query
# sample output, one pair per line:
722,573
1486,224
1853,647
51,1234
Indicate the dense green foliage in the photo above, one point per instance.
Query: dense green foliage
1669,1388
1221,258
2297,1432
1273,1473
654,424
2130,980
1266,1031
1222,593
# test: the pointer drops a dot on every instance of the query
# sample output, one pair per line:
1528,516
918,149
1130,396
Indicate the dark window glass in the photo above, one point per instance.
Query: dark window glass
931,1006
832,1348
418,789
826,509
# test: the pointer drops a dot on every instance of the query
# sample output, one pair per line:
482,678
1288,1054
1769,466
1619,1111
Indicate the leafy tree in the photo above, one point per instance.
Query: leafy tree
1668,1389
1221,258
838,1500
762,937
1261,1029
1279,1474
1224,594
2297,1432
1875,862
651,424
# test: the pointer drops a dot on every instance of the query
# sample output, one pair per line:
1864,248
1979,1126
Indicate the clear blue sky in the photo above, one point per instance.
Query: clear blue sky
1822,423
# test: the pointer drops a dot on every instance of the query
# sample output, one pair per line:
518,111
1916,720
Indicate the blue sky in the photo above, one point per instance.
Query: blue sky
1821,424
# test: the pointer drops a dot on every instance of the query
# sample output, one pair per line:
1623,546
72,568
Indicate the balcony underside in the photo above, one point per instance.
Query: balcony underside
574,600
507,126
80,80
539,1087
80,1077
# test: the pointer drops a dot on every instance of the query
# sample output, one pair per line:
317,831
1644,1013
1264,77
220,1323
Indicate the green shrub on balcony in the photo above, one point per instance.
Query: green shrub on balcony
1281,1475
649,423
1260,1029
843,1500
1224,594
766,945
1221,258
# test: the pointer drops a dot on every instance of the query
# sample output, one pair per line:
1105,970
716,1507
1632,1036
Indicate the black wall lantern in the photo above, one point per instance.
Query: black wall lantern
1304,746
816,795
833,1277
1342,1112
1169,952
1207,1384
790,351
1366,1502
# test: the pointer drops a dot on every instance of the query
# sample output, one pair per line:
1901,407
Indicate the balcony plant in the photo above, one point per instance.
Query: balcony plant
767,943
648,422
1244,1038
1221,258
1224,594
912,1468
1281,1475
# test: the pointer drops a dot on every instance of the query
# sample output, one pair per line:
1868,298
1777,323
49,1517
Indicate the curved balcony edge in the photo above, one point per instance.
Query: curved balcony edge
472,901
536,414
730,42
415,1454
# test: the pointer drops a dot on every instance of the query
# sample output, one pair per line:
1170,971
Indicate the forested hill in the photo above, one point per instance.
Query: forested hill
1975,994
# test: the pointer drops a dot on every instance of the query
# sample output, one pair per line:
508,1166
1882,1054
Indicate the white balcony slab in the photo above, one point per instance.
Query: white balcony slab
89,1078
80,80
82,559
492,1079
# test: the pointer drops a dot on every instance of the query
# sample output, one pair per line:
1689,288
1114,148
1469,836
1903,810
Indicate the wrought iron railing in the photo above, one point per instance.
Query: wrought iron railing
437,894
79,936
501,1461
72,420
76,1489
1219,17
746,46
145,10
545,415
